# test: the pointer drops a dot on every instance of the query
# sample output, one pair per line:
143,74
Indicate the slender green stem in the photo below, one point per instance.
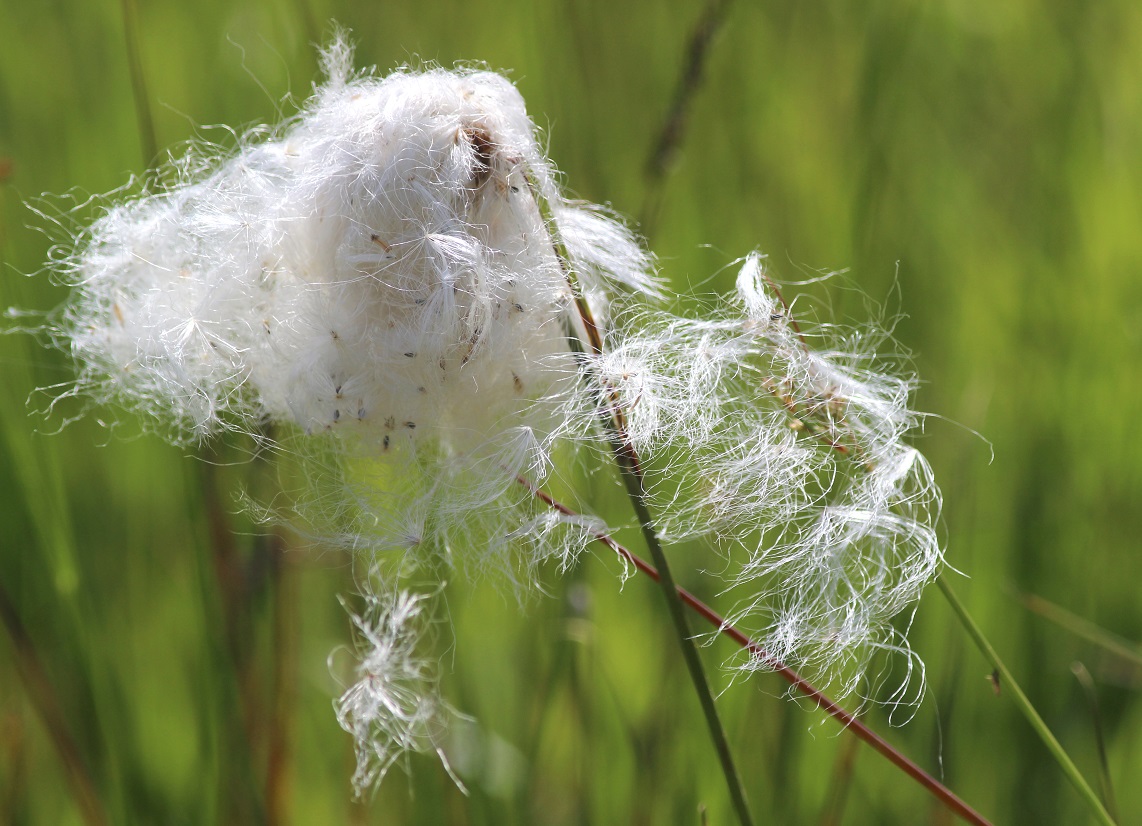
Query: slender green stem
147,140
1087,683
633,478
1007,681
42,695
1119,646
670,135
585,339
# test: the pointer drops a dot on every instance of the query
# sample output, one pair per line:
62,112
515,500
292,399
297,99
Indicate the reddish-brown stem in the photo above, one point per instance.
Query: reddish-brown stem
945,795
670,136
42,695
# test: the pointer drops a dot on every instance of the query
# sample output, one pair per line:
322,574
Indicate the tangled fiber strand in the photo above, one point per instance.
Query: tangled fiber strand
394,707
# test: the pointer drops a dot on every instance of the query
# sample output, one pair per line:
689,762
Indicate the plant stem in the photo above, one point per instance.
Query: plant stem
586,340
1087,683
1116,645
42,695
147,140
282,706
945,795
669,140
632,476
1007,681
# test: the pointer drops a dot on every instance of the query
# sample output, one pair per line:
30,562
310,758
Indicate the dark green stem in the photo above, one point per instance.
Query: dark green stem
587,342
1087,683
148,142
633,478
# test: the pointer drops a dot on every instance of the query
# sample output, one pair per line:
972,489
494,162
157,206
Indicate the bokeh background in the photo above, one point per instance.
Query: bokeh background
976,167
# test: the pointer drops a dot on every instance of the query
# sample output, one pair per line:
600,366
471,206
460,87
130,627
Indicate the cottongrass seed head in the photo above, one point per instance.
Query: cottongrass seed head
792,462
391,276
393,706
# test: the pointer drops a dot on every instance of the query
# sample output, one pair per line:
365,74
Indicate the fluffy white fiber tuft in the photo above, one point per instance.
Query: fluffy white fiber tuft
379,270
793,461
393,707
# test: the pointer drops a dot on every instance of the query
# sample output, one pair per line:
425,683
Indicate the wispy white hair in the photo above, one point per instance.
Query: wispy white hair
386,275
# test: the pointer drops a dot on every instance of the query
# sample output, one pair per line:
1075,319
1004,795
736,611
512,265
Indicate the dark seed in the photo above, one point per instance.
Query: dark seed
484,150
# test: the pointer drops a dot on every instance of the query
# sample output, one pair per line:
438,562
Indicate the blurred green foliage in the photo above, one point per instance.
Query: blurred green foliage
977,168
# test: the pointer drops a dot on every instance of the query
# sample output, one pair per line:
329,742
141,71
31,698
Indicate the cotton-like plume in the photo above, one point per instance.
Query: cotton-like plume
793,462
393,708
391,276
379,268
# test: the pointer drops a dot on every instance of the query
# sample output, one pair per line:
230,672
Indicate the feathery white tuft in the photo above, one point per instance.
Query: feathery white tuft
793,462
393,708
378,273
379,268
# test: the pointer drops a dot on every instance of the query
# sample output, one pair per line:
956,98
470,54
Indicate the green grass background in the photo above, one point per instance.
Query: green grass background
975,165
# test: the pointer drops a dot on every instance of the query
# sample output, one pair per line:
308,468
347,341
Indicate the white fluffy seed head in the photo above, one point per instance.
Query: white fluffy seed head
378,268
792,460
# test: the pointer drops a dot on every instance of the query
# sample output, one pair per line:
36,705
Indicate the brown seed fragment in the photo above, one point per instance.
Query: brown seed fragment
484,150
